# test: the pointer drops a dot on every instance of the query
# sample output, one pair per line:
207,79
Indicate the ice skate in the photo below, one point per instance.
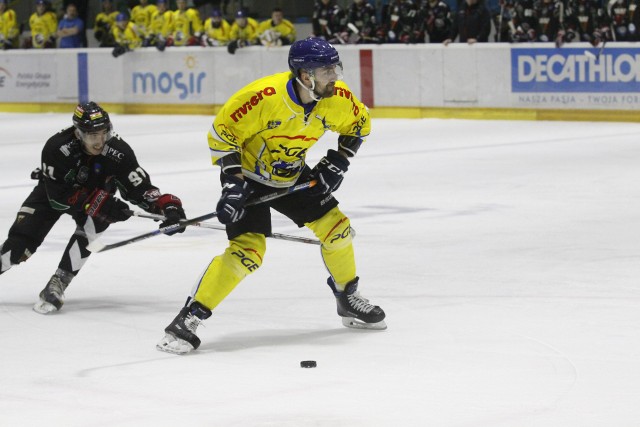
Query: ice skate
52,296
180,336
356,311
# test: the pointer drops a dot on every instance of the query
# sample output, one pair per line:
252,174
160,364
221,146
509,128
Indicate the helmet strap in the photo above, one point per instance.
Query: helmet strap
310,90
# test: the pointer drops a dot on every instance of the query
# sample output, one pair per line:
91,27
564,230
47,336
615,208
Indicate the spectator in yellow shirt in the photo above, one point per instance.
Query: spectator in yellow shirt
276,31
43,25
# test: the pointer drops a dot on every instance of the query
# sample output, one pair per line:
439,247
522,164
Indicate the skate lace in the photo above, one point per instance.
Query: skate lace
359,303
192,322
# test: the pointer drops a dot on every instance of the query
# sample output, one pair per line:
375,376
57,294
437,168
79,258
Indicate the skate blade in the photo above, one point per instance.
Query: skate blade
43,307
351,322
173,345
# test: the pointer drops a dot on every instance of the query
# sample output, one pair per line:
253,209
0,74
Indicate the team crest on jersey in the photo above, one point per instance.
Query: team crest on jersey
272,124
286,169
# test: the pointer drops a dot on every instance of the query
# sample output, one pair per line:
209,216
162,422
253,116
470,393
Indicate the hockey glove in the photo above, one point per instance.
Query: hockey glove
119,50
235,192
329,173
171,208
103,206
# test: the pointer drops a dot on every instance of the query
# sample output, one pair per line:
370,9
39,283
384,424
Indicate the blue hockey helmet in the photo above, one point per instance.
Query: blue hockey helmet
311,53
122,17
216,13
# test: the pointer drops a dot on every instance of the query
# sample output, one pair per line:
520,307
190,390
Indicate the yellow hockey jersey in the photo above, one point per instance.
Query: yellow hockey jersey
128,37
9,26
161,24
219,36
186,24
106,20
43,27
248,33
266,123
284,29
141,17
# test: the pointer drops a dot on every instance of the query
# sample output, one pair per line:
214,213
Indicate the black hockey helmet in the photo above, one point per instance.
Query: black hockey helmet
90,117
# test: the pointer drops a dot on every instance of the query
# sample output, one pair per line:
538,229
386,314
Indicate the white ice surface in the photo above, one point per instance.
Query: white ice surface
505,254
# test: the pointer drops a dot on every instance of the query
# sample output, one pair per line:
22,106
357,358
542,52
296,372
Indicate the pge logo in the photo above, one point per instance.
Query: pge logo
4,74
165,83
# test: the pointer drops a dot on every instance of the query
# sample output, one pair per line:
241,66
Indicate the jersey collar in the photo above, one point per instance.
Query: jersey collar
291,91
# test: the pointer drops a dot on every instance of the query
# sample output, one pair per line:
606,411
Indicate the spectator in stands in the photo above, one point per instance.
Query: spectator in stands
620,15
70,28
361,23
43,25
400,23
435,20
141,17
9,30
328,19
550,16
125,35
216,30
472,23
276,31
244,32
105,20
187,26
161,26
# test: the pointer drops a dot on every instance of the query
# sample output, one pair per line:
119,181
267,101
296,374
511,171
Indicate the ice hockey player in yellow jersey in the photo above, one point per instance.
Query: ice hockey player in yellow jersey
9,30
244,32
160,27
141,17
260,139
216,30
125,35
186,26
43,24
276,31
104,23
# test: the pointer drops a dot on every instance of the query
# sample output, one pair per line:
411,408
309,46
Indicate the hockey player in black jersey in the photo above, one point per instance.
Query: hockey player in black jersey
82,167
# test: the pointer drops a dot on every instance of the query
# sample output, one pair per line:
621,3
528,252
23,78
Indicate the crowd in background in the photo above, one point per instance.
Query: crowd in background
157,23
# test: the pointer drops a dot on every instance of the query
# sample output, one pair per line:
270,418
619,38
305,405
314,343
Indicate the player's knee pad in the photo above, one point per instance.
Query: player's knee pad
246,252
14,251
333,230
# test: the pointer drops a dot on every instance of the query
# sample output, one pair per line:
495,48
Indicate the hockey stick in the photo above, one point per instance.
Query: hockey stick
96,246
222,227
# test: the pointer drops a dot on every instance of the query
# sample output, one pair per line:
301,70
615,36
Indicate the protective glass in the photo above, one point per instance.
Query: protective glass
330,73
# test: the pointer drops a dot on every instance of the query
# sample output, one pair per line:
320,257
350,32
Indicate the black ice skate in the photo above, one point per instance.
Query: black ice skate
52,296
356,312
180,336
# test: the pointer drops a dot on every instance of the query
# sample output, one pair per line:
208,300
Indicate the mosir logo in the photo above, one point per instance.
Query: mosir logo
166,83
575,70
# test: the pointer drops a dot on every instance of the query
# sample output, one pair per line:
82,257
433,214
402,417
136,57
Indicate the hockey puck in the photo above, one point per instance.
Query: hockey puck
308,364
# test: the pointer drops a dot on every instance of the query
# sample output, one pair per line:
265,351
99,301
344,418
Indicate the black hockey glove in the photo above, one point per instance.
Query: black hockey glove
329,173
235,192
103,206
119,50
171,207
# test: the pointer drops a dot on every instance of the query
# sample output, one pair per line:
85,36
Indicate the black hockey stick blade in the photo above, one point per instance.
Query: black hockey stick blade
96,246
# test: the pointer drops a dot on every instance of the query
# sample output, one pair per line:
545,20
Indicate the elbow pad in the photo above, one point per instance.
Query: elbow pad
231,164
349,144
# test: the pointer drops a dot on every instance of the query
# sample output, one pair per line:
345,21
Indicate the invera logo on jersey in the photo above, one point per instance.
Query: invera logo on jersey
575,70
255,100
166,83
